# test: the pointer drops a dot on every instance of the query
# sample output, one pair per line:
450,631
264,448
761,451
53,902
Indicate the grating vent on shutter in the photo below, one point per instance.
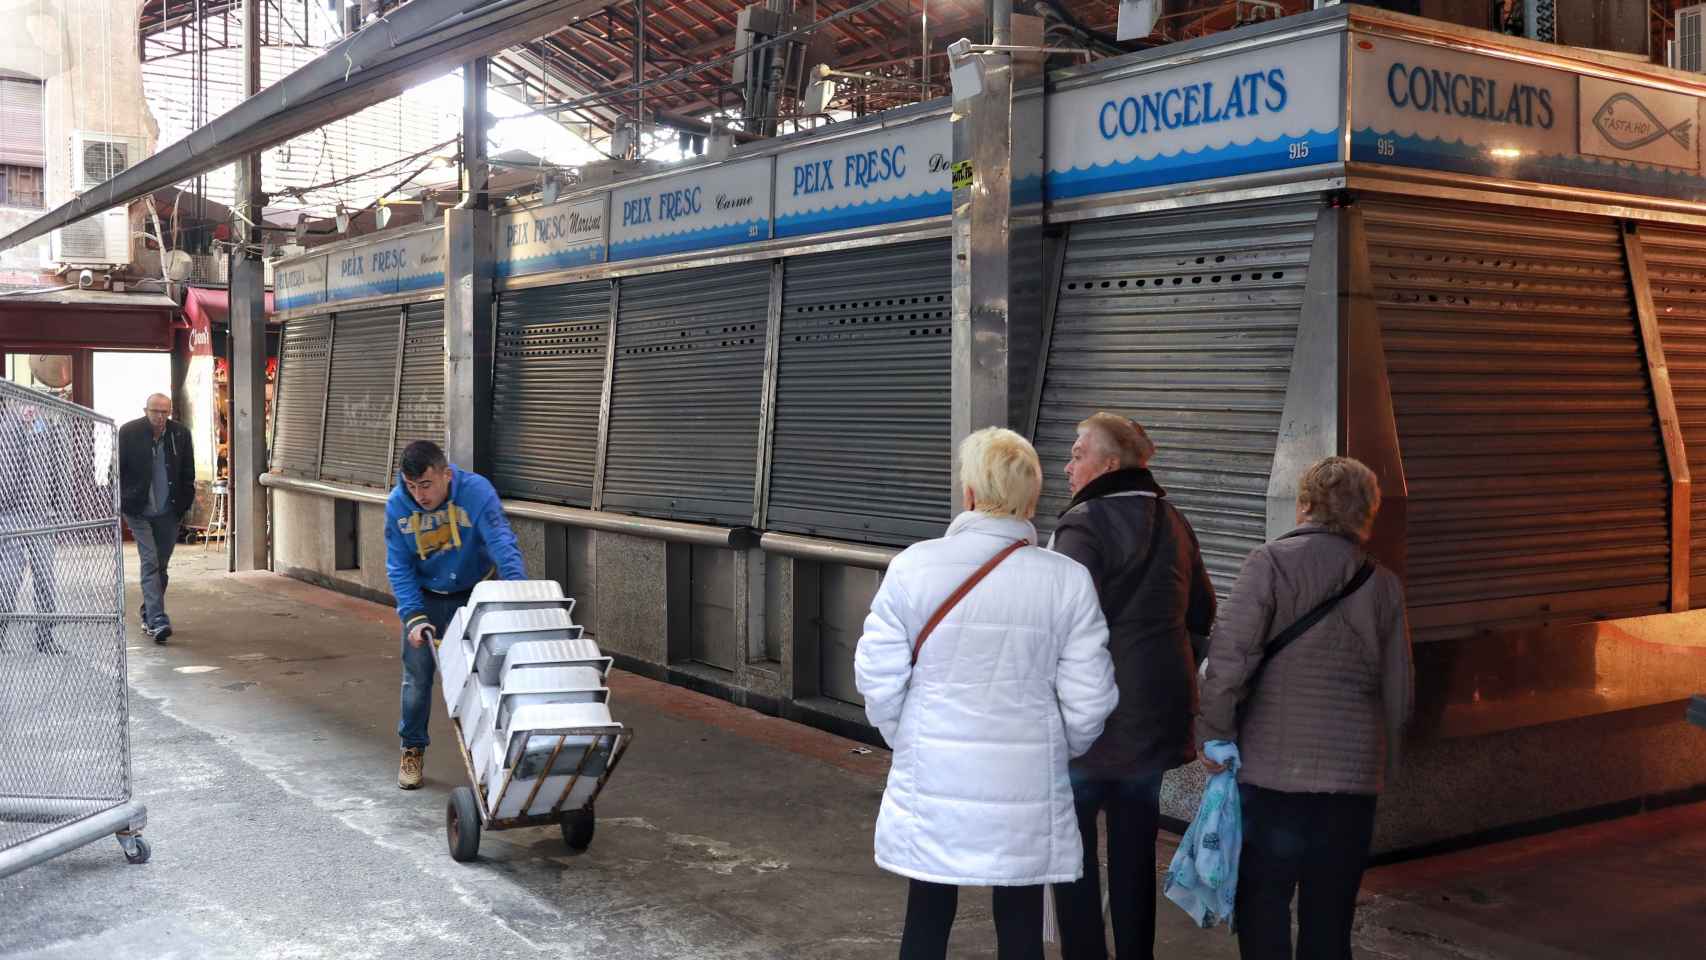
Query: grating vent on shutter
362,391
548,383
303,355
684,401
1186,323
861,437
420,411
1537,481
1676,268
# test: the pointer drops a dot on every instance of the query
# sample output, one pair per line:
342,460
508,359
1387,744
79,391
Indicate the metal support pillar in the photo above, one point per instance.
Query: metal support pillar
999,261
468,289
249,338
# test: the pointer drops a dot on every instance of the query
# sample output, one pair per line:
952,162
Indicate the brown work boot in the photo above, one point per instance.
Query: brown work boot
409,770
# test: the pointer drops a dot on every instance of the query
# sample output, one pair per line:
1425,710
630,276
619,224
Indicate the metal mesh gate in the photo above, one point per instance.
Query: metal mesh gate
64,739
1537,480
1187,323
862,378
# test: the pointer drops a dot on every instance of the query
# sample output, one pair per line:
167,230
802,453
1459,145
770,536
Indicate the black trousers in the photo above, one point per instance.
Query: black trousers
1311,844
1134,817
930,909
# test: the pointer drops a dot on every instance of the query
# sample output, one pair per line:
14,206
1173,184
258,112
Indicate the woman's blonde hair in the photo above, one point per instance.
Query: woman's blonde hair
1340,494
1121,437
1002,471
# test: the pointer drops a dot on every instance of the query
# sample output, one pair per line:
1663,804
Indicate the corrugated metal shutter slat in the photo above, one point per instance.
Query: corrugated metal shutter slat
420,415
863,379
362,393
1538,488
548,383
684,408
303,353
1186,323
1676,269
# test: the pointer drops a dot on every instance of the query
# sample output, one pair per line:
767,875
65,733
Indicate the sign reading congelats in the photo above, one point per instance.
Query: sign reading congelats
711,207
885,176
1419,105
1267,109
557,237
299,284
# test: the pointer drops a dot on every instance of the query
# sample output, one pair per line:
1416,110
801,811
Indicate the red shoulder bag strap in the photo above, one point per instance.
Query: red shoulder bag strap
960,594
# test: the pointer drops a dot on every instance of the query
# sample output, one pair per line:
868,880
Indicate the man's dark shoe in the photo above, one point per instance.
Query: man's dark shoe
161,634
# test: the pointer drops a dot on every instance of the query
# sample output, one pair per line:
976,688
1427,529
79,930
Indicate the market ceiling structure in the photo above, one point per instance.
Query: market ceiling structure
596,54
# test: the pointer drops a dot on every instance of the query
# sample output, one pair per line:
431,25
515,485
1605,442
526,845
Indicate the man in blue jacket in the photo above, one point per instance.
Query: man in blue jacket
445,531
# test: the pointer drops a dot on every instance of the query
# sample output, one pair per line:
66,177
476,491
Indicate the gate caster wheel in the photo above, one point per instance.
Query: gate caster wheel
578,826
139,852
462,825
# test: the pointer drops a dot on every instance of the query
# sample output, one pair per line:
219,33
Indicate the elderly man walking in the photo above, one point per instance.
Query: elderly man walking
156,476
1155,593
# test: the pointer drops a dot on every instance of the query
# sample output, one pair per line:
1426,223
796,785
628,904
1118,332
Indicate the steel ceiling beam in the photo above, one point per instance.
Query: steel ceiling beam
414,43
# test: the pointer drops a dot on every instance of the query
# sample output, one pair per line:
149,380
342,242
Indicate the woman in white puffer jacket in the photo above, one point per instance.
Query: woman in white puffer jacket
1013,682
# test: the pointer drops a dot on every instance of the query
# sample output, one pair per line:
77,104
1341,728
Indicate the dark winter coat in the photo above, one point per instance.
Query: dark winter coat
1109,528
136,466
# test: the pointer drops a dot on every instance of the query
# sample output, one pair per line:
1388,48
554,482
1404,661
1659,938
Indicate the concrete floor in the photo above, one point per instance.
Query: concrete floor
264,747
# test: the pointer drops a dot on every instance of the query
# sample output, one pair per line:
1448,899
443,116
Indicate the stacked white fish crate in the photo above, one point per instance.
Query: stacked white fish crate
528,691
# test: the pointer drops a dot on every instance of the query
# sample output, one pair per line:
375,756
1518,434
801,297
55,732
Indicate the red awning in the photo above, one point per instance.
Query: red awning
214,306
86,320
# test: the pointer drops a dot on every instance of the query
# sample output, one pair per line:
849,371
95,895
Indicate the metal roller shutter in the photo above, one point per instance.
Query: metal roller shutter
1537,481
547,386
21,137
862,380
1676,268
1186,323
304,352
420,407
360,398
684,401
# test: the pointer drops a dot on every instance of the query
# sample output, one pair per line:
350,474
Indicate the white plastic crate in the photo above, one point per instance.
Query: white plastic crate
455,666
496,633
544,654
498,596
549,685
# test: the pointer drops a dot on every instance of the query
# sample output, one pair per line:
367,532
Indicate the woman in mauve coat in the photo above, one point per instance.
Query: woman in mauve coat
1318,728
1013,682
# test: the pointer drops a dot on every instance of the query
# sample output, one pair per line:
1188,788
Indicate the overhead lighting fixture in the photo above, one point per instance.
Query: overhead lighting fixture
819,93
429,208
551,191
965,71
300,232
343,219
383,215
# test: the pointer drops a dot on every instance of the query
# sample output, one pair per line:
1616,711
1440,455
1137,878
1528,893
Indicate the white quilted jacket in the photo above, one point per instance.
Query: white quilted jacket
1016,681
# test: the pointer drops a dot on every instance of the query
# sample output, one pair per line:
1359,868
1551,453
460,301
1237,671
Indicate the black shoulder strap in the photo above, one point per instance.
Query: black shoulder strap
1285,637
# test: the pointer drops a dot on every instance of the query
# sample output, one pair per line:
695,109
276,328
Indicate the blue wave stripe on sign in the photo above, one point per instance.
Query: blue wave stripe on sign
893,210
1455,156
371,289
577,257
1206,164
697,239
1028,190
305,300
420,282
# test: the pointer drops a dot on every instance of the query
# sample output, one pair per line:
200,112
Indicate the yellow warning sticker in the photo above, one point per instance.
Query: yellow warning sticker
961,172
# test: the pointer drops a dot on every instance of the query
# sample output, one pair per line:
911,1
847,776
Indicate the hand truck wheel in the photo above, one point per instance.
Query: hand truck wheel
578,826
462,825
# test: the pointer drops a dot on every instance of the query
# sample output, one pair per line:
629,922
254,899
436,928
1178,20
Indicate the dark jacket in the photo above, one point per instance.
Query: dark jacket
1109,528
136,466
1326,715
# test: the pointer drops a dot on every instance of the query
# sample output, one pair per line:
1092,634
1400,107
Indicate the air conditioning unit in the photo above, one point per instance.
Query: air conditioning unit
104,239
1685,51
222,263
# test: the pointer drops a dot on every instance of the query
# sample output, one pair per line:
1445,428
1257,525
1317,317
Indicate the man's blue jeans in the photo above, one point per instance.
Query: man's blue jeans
1133,806
419,667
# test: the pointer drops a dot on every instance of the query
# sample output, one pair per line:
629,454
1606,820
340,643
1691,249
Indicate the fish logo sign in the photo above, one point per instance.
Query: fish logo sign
1627,124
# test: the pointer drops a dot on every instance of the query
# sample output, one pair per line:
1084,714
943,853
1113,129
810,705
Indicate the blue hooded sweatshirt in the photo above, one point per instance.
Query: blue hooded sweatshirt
450,549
